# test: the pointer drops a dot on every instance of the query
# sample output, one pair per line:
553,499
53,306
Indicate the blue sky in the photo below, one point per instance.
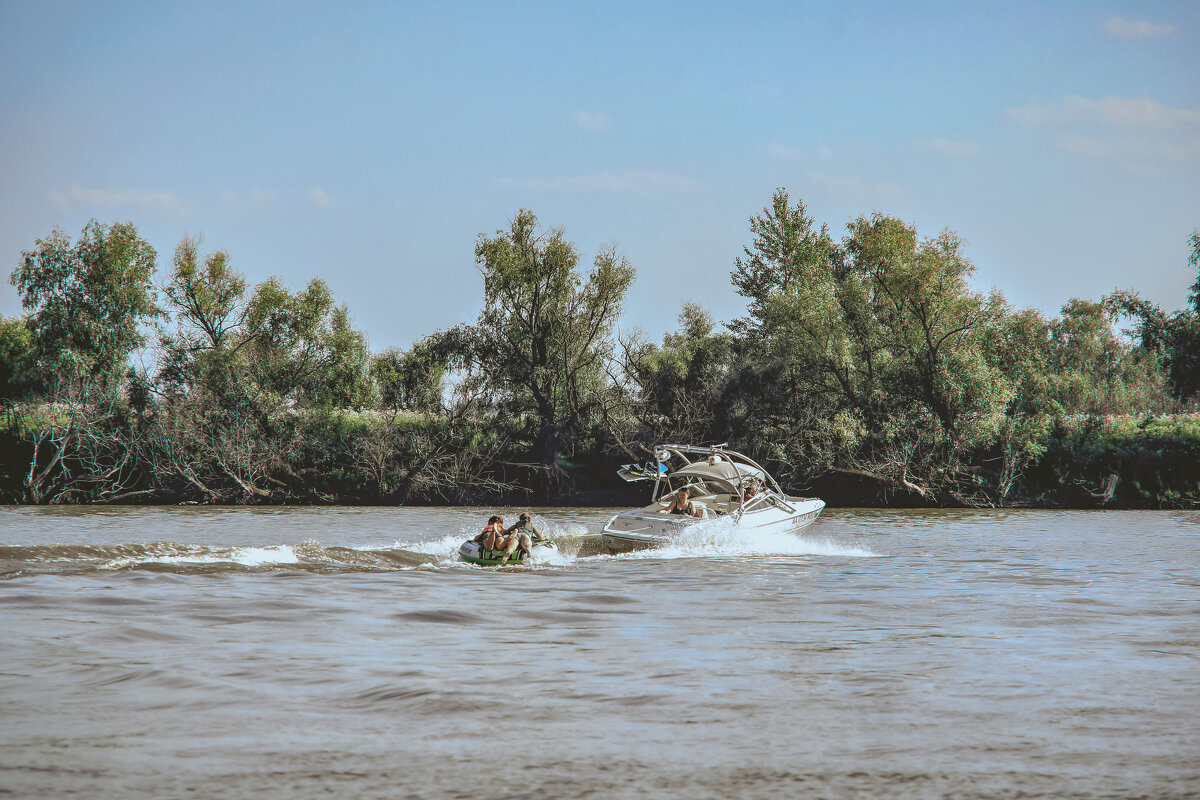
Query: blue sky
370,143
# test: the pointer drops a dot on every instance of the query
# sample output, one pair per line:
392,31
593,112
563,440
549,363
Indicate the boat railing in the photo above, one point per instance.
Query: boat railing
695,448
719,450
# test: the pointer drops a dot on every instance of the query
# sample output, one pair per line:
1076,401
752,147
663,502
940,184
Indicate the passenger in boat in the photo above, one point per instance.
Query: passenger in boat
751,491
525,523
682,505
495,539
518,539
494,536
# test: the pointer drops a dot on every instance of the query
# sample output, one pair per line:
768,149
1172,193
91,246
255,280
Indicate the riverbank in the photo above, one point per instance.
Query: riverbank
370,459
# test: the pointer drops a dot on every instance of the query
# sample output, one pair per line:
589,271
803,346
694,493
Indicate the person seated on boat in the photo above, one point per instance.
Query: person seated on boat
751,491
495,539
525,523
680,504
494,536
518,539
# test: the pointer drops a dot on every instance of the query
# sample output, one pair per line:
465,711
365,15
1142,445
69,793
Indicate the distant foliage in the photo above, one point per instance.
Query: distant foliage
1155,460
678,390
543,342
87,301
871,352
19,374
867,368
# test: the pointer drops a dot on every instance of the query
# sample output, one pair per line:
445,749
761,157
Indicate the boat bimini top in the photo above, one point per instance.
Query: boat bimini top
707,464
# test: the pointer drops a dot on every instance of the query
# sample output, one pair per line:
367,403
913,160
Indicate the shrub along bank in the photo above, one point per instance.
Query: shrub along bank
866,370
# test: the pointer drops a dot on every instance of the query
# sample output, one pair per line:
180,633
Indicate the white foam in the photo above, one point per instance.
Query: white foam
710,538
560,530
724,537
548,557
257,556
445,548
246,556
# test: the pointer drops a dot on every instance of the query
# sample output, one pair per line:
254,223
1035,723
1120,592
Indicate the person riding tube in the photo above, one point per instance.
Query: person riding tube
493,536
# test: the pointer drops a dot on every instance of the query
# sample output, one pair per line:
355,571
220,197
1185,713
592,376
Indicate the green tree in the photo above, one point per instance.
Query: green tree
1183,340
17,360
1095,369
342,378
1194,263
788,258
413,379
233,363
544,336
678,388
209,311
88,301
1173,338
298,348
304,350
876,346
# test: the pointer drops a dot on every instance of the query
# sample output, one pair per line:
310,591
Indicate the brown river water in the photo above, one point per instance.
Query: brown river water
235,653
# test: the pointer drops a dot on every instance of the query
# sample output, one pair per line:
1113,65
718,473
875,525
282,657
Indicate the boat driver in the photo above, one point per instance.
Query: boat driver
682,505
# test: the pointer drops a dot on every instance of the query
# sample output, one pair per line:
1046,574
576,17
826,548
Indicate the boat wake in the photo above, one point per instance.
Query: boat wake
173,557
724,537
576,546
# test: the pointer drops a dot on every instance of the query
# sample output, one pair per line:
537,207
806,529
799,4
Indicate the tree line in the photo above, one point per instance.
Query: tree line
866,368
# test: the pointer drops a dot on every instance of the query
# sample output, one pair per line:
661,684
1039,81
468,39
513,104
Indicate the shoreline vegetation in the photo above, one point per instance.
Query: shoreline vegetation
866,371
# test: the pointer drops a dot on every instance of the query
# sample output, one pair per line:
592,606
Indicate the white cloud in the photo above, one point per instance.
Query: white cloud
593,123
1184,152
258,199
1138,132
634,182
1085,146
860,192
320,198
1119,28
948,147
1133,112
790,153
1130,150
263,198
168,202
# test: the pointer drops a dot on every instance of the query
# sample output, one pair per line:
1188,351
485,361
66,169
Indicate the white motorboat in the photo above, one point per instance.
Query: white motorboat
720,483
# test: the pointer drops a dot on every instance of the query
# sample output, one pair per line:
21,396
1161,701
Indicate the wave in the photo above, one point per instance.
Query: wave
714,538
174,557
725,537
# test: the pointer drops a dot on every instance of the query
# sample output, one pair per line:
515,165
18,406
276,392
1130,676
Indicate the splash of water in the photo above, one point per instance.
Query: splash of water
445,548
725,537
242,556
576,545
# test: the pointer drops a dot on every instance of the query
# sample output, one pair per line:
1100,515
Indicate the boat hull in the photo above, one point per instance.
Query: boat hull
644,528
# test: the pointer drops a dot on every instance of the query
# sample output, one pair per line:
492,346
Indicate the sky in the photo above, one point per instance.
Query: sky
370,144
